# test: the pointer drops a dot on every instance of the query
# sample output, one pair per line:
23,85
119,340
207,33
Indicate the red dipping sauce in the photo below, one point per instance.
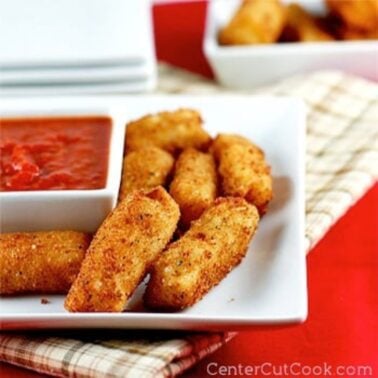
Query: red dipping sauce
54,153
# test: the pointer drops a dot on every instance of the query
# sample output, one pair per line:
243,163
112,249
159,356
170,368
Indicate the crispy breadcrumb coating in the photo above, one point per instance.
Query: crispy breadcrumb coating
40,262
205,254
172,131
194,186
145,168
123,249
350,34
243,170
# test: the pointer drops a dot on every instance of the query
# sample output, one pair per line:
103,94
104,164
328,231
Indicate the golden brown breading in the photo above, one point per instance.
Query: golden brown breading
256,21
358,14
302,27
171,131
125,245
145,168
223,141
194,186
353,34
40,262
208,251
243,170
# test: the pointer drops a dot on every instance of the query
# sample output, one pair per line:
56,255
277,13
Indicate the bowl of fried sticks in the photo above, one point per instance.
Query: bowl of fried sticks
253,42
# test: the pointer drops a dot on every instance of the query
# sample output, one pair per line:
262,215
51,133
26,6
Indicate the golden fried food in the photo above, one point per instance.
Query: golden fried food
256,21
145,168
357,14
208,251
123,249
40,262
171,131
194,186
354,34
243,170
226,140
302,27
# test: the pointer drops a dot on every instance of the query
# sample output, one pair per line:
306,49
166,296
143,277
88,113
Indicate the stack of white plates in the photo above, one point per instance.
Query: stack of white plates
69,46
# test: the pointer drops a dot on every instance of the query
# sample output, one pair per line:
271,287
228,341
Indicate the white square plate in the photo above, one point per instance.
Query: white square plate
71,32
269,286
78,75
93,88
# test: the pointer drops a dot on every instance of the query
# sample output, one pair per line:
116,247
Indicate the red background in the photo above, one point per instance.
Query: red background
342,327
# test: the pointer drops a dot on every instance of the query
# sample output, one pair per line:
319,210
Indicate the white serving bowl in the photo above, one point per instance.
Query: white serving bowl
80,210
245,67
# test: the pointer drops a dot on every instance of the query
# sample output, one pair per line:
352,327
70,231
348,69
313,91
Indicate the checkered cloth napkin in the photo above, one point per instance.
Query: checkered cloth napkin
341,162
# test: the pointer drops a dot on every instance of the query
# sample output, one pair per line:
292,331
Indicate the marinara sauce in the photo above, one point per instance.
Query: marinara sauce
54,153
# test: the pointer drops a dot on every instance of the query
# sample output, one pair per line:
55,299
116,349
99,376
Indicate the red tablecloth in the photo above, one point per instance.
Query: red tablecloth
342,329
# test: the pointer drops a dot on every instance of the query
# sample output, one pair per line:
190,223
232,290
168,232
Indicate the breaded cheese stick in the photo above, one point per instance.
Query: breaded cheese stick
171,131
243,170
354,34
122,250
40,262
145,168
302,27
208,251
194,186
357,14
255,22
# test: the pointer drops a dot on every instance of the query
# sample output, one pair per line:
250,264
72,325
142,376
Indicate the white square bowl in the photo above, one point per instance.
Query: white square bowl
80,210
246,67
269,286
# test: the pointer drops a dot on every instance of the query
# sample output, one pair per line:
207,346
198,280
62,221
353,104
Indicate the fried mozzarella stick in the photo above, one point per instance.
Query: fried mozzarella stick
302,27
243,170
145,168
194,186
40,262
171,131
208,251
354,34
356,14
122,250
255,22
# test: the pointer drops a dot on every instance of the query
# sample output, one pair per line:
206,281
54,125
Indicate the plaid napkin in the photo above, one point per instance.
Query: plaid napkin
122,354
341,162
